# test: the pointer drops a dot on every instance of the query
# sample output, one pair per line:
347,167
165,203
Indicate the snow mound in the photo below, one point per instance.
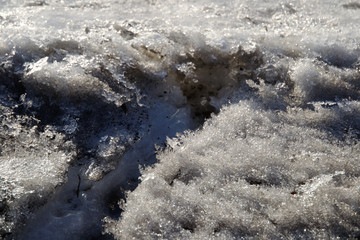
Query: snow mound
250,172
32,164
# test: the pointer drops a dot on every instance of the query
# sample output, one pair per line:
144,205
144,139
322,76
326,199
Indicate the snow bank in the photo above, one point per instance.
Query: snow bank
250,172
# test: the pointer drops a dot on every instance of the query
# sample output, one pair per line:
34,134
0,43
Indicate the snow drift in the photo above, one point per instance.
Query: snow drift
243,117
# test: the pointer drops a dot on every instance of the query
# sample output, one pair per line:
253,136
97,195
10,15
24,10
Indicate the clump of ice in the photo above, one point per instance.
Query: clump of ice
32,164
249,172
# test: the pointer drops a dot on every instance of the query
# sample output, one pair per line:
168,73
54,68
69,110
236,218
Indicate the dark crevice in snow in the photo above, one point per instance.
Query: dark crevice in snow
351,5
254,181
94,122
185,176
12,81
208,74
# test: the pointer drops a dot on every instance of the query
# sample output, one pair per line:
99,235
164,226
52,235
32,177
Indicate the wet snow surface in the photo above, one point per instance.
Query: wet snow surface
179,119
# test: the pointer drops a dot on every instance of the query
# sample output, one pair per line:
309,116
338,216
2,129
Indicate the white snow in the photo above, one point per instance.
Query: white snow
93,91
249,172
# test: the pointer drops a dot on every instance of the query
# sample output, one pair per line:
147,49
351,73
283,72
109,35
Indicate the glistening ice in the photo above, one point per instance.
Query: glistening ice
179,119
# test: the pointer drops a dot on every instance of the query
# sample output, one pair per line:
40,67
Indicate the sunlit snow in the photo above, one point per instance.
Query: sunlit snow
179,119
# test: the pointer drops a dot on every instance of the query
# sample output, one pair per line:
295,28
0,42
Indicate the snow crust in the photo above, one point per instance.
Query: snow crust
91,91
